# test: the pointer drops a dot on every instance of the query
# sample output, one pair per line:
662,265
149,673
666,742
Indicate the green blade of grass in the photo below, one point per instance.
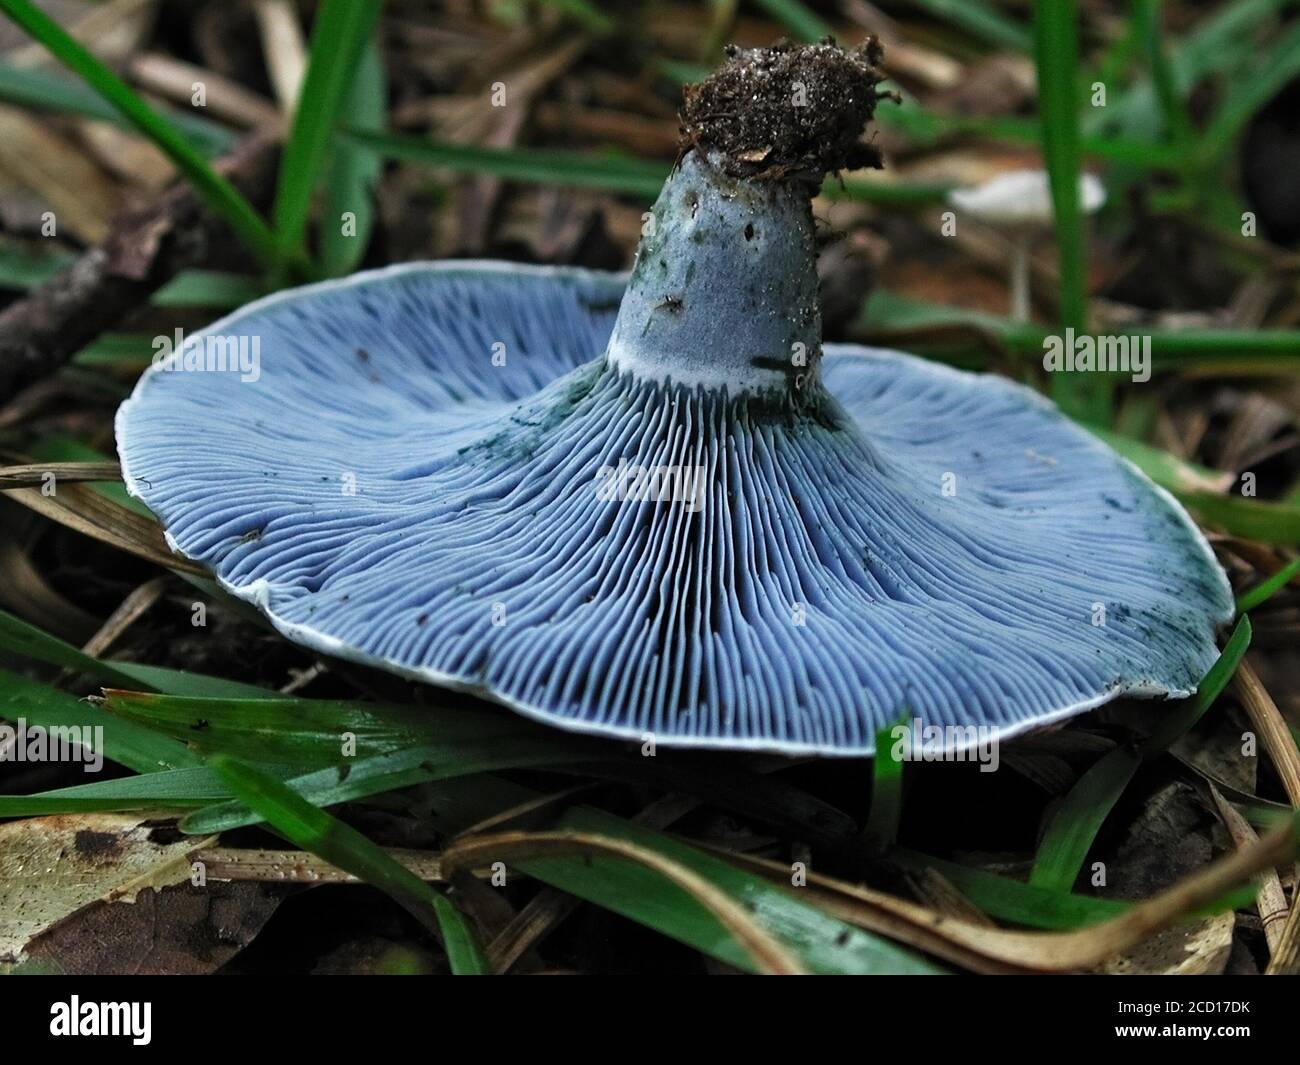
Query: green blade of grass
48,91
343,846
26,267
585,14
22,638
354,169
339,35
544,166
1252,519
192,787
1268,75
126,743
1168,471
980,21
881,829
1219,45
1171,350
365,777
1178,123
1012,900
802,23
1074,827
1266,589
311,732
1037,907
220,195
1056,54
822,943
209,290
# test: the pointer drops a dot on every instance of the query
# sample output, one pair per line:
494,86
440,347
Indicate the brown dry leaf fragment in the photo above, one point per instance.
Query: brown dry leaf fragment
176,931
54,867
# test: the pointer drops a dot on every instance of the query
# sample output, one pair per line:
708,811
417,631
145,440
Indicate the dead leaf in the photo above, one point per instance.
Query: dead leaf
53,867
177,931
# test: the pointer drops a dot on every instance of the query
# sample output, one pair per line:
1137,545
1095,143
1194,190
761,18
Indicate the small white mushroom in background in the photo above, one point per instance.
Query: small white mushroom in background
1019,204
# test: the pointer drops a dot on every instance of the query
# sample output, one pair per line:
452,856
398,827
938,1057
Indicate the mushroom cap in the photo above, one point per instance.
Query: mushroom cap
931,544
1022,197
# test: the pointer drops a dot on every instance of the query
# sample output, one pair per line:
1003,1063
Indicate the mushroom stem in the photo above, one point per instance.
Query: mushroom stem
1019,279
724,295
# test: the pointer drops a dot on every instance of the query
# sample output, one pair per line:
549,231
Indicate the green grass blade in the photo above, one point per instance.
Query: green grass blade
1012,900
1266,589
802,23
22,638
1169,471
982,21
209,290
585,14
881,830
387,772
1074,827
1178,123
338,37
354,169
544,166
1036,907
126,743
47,91
1056,53
341,845
1252,519
1268,75
1219,45
822,943
311,732
221,196
25,267
192,787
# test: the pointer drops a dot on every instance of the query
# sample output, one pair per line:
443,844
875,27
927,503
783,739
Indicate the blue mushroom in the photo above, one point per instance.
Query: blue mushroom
659,505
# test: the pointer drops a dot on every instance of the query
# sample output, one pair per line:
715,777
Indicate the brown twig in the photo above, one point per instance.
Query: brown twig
144,250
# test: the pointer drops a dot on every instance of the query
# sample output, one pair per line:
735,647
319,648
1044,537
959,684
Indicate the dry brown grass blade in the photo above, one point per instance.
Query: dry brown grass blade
1276,737
995,950
226,99
530,925
25,591
300,867
936,889
81,196
111,31
285,49
1271,726
128,612
550,906
521,810
88,512
39,474
1271,900
1286,956
768,954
